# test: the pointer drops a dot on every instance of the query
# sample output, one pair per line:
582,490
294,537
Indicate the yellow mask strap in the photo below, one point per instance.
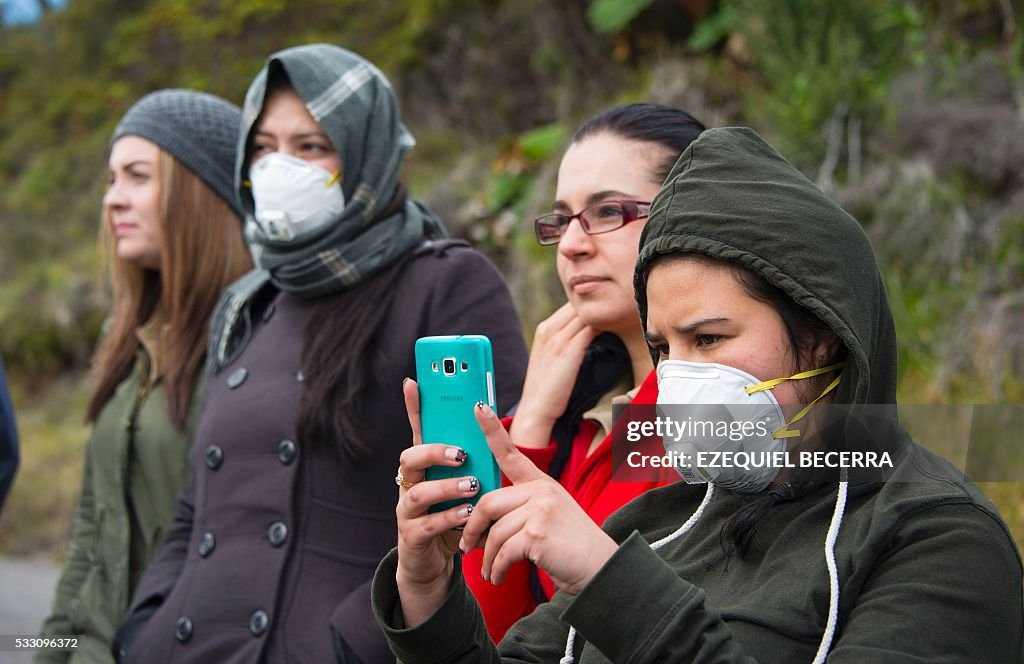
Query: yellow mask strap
769,384
785,432
334,178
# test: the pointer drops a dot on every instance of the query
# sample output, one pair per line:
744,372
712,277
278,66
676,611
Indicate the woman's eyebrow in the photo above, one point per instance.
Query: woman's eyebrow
594,198
692,327
133,164
607,193
652,337
304,134
310,134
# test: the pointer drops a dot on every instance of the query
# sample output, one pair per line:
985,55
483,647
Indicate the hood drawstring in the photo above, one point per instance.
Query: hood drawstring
570,642
833,574
830,562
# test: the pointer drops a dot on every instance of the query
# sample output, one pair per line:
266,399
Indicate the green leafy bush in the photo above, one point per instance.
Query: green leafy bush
614,15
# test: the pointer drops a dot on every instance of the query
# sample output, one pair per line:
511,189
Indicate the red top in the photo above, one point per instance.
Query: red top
588,479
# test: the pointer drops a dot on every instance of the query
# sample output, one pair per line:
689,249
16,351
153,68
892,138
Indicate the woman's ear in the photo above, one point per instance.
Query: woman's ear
826,349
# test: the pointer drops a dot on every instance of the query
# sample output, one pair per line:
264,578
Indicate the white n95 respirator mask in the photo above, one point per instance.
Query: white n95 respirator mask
293,197
714,408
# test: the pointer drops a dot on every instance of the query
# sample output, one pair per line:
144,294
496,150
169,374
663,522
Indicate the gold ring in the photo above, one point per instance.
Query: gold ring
402,482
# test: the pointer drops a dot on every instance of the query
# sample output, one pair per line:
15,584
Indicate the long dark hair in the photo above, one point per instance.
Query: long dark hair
668,127
341,357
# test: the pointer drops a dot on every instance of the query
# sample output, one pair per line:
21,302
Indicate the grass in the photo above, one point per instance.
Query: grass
37,516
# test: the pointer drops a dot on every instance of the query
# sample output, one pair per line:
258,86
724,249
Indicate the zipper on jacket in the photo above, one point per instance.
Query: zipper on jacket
131,422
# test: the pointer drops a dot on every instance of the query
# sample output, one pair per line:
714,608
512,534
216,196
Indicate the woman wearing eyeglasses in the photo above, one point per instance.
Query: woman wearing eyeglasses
591,352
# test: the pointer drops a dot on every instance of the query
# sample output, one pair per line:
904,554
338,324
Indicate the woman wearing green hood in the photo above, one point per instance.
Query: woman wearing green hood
288,510
753,288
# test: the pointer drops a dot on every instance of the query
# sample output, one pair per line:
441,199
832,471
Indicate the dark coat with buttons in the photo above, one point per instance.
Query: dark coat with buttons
275,543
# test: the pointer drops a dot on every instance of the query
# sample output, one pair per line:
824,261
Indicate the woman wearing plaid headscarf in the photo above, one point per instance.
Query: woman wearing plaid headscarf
292,499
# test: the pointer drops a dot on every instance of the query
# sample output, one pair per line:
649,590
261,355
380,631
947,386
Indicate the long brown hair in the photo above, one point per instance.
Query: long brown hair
202,251
332,409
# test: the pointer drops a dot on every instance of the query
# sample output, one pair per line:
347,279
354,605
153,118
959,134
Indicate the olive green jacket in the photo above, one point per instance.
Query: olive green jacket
135,464
927,570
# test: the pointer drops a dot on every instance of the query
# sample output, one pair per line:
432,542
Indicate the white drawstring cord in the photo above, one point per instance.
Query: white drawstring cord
833,574
830,562
690,523
570,642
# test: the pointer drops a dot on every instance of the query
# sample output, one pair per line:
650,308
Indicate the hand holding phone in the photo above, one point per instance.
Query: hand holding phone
453,374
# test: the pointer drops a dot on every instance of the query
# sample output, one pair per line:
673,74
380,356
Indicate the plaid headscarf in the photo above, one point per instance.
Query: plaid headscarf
355,106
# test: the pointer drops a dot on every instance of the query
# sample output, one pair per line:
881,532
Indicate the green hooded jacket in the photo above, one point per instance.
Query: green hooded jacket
135,464
926,571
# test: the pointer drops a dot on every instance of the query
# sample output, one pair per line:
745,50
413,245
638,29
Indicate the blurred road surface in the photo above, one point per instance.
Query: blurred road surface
26,589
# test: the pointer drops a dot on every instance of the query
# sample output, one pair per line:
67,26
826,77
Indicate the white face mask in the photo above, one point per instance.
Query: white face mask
294,197
722,409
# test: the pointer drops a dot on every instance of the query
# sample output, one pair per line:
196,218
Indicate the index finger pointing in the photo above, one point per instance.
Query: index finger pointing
513,463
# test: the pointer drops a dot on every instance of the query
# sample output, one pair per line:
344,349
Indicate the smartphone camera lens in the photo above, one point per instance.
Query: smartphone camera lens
448,364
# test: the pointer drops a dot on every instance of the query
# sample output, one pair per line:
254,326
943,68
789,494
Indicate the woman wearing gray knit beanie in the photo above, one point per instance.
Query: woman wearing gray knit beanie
172,234
291,502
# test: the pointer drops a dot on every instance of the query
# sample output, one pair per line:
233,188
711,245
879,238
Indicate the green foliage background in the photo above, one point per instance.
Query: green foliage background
909,112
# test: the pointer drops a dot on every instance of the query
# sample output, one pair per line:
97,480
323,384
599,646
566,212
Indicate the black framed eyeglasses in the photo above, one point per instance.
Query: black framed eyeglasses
598,218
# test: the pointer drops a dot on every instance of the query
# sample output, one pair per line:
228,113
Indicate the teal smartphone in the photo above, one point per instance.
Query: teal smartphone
453,373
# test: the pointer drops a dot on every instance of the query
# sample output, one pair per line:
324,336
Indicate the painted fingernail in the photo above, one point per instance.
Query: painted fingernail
485,409
480,405
467,510
455,454
405,380
469,485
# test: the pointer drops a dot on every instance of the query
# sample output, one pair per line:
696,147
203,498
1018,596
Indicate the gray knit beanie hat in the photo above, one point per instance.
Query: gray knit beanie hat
198,129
